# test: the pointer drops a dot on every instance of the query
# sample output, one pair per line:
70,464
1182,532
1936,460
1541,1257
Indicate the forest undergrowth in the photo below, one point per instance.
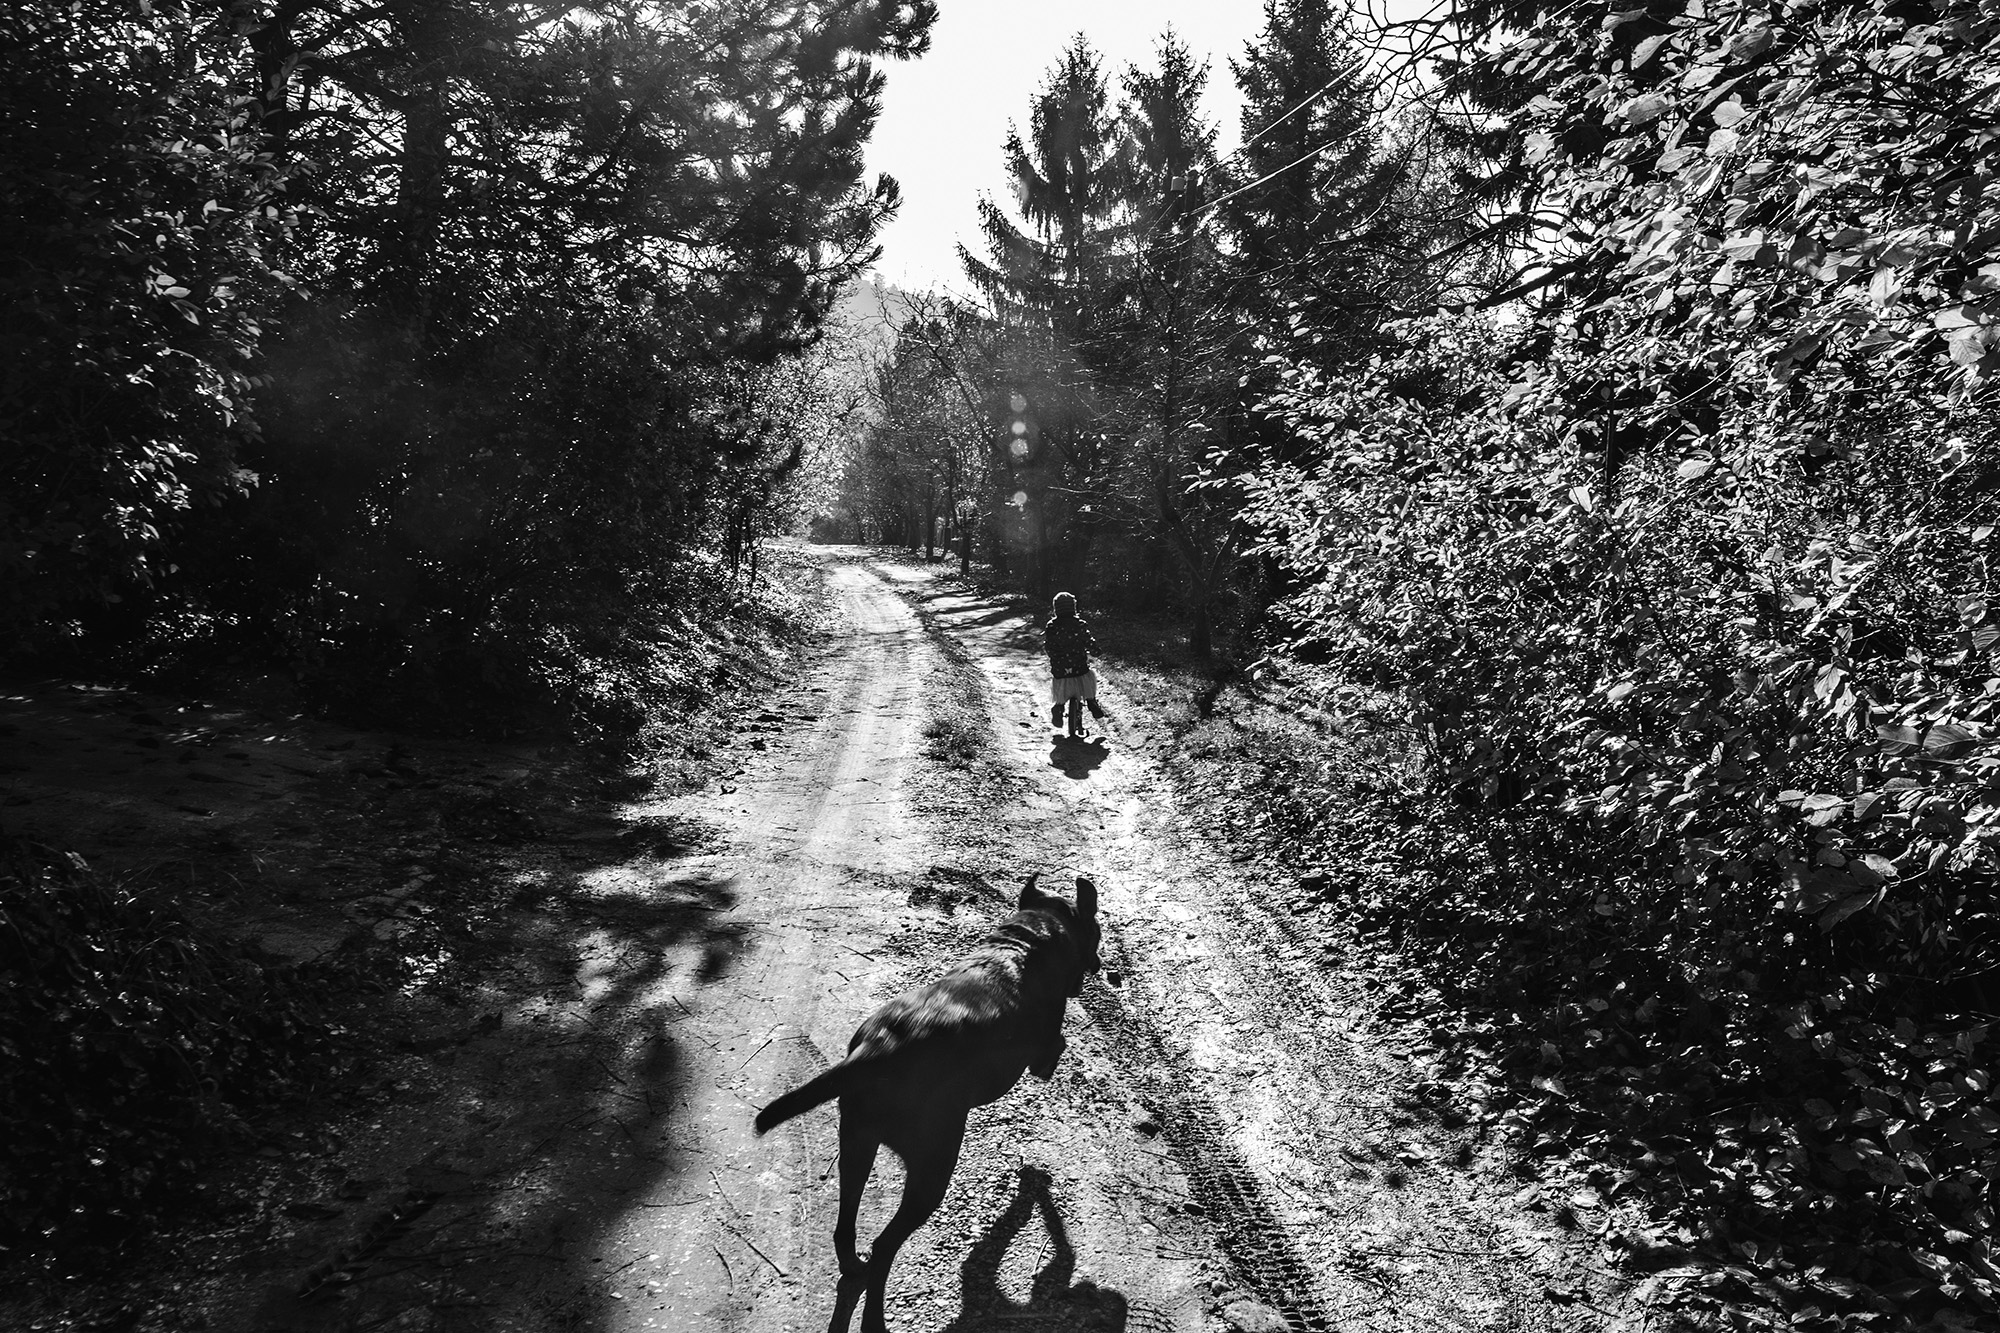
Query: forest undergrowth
1720,1143
158,1016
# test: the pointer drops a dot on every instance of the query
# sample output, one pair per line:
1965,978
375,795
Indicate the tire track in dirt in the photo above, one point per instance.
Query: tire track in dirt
1222,1185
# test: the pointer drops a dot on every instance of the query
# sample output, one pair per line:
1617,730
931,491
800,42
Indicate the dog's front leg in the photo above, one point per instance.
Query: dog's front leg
1050,1044
1044,1067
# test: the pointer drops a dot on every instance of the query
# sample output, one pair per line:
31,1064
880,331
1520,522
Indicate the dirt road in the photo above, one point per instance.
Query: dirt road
1221,1137
1225,1145
848,890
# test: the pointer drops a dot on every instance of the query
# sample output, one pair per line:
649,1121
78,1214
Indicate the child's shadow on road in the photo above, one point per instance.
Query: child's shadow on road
1053,1301
1078,759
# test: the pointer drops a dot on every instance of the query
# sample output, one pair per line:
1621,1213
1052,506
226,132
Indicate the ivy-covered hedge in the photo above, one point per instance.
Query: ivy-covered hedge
132,1039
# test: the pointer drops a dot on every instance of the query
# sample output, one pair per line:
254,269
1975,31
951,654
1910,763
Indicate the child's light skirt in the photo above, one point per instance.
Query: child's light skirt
1064,688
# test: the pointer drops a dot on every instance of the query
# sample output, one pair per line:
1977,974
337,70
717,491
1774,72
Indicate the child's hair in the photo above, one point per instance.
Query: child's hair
1065,604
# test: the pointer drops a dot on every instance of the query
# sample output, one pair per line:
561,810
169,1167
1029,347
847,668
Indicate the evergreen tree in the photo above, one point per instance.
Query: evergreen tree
1056,284
1311,186
1176,388
502,378
1069,182
708,151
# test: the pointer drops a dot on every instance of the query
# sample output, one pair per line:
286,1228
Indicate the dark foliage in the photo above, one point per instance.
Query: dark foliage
1678,583
137,216
134,1039
539,265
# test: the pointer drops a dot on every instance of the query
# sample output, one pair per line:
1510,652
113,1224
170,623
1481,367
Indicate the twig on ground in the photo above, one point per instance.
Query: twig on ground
753,1249
726,1270
724,1193
759,1051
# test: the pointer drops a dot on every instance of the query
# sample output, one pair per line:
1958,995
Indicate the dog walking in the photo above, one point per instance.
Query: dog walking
1071,686
918,1065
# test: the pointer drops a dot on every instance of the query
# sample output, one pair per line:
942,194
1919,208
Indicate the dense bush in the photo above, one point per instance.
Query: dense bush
133,1039
1678,581
137,212
1708,737
466,532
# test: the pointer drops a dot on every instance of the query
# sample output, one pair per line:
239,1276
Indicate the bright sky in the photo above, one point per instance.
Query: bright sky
945,116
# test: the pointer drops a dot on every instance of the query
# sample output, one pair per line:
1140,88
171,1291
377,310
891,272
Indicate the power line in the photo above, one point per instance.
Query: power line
1217,202
1251,142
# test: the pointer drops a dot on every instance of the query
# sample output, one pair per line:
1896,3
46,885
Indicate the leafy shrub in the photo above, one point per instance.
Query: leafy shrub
512,533
136,211
1708,740
1751,708
132,1039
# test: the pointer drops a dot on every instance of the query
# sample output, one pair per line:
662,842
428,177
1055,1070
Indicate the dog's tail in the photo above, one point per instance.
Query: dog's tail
803,1098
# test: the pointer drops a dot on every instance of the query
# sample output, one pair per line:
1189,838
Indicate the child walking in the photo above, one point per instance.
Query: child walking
1071,685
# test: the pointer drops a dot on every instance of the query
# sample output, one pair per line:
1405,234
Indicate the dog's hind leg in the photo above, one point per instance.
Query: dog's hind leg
928,1161
858,1144
846,1296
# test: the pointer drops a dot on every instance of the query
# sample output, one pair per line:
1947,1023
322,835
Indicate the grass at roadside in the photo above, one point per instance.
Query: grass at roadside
955,730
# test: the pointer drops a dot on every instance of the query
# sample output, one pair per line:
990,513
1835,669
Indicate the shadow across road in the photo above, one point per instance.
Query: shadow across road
548,1120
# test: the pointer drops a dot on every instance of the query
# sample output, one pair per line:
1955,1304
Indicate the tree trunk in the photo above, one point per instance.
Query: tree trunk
420,191
1202,637
1158,567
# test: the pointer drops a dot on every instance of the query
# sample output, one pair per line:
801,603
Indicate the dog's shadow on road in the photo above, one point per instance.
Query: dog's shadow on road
1078,759
1054,1300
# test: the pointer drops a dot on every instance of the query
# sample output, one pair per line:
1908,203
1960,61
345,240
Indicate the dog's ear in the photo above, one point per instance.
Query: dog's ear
1086,897
1029,893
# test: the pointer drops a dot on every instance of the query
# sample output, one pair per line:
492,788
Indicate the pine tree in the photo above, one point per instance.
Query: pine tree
1177,386
1068,181
1312,179
1056,286
710,152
